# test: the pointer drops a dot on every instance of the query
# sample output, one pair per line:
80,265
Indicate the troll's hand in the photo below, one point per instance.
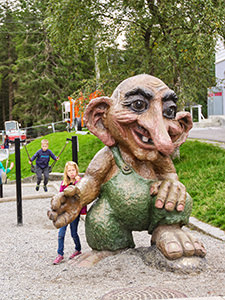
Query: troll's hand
171,194
65,207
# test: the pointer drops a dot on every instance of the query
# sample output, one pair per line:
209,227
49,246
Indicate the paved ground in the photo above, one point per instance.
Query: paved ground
209,133
27,253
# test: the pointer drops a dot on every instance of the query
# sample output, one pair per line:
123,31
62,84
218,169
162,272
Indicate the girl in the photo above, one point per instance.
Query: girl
70,177
4,171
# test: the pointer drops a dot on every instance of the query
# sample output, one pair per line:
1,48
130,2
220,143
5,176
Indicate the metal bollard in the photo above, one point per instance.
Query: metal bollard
1,190
18,182
75,149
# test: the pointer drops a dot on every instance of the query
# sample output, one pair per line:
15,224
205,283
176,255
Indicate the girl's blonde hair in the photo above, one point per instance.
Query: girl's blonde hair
66,179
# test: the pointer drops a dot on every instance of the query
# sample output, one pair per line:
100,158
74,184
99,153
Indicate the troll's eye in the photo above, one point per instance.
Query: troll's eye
169,110
138,105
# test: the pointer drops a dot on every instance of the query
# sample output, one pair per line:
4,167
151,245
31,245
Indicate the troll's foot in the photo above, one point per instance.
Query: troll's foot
174,243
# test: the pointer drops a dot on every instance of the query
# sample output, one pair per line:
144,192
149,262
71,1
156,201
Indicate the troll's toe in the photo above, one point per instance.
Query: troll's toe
174,243
171,250
199,249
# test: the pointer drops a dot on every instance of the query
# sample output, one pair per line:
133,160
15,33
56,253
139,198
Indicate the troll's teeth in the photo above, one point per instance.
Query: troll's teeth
144,139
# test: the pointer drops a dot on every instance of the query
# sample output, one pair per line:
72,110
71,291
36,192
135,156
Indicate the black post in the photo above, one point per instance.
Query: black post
75,149
18,182
1,190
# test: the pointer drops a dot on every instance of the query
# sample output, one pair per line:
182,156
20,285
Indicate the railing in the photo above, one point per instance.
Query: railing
199,108
33,132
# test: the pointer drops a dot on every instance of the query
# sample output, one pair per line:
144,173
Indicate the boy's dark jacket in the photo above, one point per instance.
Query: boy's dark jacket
43,157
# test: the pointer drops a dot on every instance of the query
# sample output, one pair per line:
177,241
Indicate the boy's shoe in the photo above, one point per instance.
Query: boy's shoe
58,260
37,187
45,188
75,254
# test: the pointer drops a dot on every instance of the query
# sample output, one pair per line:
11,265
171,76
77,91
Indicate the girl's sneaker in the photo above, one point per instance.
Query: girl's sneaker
58,260
75,254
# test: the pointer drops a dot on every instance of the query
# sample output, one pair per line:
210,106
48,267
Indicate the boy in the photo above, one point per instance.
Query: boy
6,142
42,157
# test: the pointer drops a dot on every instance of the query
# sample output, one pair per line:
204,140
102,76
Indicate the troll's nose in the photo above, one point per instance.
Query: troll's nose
154,122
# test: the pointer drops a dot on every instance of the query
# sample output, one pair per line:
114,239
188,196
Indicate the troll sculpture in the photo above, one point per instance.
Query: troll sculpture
132,179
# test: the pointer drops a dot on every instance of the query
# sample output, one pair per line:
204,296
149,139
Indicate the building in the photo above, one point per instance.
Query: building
216,95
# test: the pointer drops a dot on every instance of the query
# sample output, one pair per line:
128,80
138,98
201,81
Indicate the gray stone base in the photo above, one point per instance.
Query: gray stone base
154,258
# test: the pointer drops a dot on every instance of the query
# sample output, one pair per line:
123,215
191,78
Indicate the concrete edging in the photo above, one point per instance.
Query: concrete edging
198,298
32,196
207,229
28,197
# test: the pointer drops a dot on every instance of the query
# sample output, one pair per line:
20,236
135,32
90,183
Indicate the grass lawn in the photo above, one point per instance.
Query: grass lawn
201,169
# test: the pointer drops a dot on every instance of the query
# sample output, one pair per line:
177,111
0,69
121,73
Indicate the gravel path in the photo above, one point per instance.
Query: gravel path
27,272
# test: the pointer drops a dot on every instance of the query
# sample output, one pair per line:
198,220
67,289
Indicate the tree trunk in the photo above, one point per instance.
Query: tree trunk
11,97
11,91
176,153
97,69
3,111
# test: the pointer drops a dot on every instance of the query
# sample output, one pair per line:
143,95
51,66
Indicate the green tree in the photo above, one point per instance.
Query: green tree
177,42
7,60
174,40
35,77
37,69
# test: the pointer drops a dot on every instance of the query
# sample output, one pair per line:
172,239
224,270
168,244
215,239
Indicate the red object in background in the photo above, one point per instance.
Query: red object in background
215,94
13,131
78,105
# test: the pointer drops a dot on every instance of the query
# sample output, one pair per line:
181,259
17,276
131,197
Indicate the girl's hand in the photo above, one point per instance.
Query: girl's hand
77,178
11,165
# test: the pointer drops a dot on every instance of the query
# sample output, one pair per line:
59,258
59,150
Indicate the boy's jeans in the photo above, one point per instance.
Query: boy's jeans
39,172
74,234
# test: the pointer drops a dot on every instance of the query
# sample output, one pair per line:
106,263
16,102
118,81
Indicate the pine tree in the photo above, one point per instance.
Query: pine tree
7,60
45,76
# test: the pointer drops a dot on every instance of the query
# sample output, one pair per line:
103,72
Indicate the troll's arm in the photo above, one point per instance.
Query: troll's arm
66,206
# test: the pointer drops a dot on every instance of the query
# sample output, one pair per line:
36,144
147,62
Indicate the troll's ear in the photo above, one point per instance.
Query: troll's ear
94,116
185,121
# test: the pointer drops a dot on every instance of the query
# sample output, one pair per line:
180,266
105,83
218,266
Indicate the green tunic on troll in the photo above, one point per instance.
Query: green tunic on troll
125,205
